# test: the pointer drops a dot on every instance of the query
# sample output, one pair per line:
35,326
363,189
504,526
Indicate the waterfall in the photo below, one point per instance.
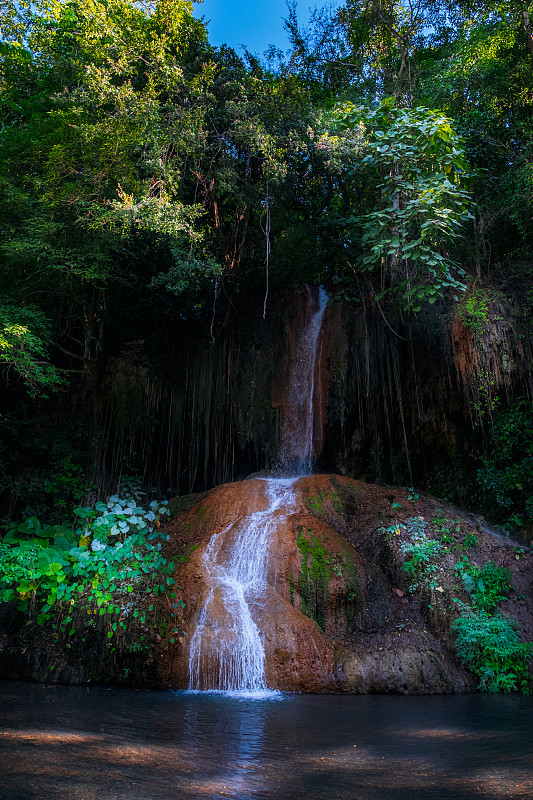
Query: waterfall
299,418
235,563
226,652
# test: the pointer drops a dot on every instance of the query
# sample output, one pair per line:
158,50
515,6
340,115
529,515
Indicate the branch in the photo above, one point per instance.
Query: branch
67,352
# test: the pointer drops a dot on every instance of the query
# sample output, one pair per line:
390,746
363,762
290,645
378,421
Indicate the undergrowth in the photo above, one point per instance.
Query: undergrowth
100,565
421,552
490,647
488,586
487,643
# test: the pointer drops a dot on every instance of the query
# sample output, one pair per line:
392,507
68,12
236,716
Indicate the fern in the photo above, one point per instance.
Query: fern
487,586
491,648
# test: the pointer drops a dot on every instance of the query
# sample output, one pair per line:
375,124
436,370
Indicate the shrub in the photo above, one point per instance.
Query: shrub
421,553
487,586
114,549
490,647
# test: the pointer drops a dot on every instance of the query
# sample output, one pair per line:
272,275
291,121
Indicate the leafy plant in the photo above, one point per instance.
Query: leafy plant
114,550
413,164
421,553
491,648
473,310
390,532
24,336
445,526
471,539
487,586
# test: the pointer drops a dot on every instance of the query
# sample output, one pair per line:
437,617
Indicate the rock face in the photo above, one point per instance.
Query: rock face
335,613
332,615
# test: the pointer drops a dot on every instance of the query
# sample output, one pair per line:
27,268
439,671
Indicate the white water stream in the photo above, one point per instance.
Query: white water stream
299,422
235,564
226,650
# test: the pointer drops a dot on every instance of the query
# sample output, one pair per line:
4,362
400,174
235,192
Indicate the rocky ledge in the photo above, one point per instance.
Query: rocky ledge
340,612
346,606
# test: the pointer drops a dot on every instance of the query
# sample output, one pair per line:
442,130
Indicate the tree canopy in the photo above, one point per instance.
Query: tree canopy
149,178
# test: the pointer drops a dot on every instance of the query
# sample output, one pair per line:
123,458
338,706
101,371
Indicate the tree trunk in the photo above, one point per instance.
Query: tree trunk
526,22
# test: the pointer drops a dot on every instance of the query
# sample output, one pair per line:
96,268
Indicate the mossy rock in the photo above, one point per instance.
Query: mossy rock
319,564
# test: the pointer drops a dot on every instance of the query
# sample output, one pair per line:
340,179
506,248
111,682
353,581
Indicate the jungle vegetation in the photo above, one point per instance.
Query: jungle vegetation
151,180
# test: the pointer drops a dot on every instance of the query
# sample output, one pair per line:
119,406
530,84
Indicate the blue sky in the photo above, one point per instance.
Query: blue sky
255,23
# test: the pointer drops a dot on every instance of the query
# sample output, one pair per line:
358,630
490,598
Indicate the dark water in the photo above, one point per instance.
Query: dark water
59,743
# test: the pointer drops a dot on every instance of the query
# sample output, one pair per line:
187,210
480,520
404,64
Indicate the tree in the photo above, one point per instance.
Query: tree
98,102
369,49
482,77
24,336
412,167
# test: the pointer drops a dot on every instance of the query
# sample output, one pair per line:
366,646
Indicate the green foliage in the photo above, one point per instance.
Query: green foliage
487,643
114,550
480,74
440,523
97,101
390,532
471,540
412,166
421,552
188,273
490,647
505,479
24,336
487,586
473,310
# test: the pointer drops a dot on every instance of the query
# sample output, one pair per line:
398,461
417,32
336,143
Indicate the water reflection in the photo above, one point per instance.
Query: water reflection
239,737
96,744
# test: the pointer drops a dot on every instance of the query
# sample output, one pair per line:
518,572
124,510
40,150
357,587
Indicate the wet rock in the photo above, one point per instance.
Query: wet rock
330,619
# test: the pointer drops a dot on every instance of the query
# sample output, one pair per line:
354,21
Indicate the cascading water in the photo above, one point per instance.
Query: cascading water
226,652
299,422
235,564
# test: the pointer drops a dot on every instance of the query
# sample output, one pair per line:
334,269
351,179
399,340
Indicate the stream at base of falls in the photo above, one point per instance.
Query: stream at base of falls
76,743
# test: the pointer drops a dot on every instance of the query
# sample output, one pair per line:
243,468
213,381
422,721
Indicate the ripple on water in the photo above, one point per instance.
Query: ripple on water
81,743
238,694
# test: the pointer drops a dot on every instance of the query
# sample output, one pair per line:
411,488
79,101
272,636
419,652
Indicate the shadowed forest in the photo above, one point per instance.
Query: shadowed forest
163,196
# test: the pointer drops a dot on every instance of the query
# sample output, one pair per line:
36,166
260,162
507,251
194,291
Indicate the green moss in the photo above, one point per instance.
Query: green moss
313,580
318,565
315,504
